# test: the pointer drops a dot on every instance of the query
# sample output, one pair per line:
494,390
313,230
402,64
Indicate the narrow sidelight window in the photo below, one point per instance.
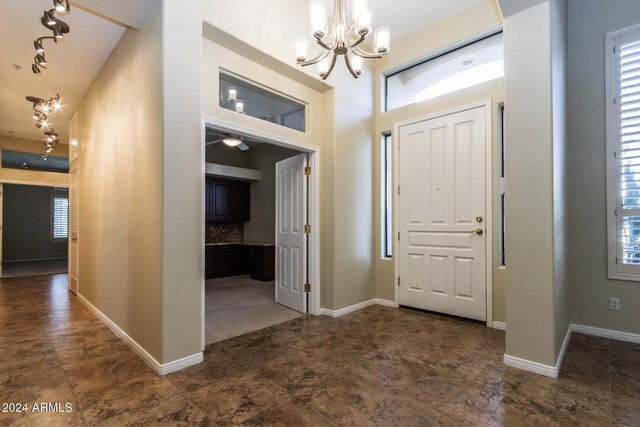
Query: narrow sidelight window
387,196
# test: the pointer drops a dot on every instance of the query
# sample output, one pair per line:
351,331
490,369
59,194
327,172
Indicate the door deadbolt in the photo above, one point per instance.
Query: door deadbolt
479,219
479,231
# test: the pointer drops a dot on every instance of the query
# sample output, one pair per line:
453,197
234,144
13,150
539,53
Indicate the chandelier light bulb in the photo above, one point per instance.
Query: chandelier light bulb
323,67
382,41
318,16
358,6
44,123
356,63
57,106
45,108
365,20
302,49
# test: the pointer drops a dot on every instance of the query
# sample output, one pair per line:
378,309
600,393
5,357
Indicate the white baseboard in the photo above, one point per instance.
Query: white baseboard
499,325
539,368
161,369
528,365
606,333
385,302
350,309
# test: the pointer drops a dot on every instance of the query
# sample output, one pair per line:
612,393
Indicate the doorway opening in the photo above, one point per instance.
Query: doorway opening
258,247
35,230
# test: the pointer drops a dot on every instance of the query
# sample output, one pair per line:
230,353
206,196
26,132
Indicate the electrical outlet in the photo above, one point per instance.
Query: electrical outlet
614,303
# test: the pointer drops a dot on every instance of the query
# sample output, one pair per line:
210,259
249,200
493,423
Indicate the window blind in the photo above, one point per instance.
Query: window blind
60,225
627,51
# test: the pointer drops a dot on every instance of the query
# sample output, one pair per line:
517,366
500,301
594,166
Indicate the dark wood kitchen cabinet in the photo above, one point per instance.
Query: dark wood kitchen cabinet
263,263
226,260
227,200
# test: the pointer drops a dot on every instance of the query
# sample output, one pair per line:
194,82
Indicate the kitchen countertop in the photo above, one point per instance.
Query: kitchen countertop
244,243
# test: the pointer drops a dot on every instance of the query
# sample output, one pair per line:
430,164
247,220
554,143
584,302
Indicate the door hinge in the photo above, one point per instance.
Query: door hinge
398,190
615,100
614,49
307,288
398,235
307,170
616,260
615,154
307,229
398,280
615,213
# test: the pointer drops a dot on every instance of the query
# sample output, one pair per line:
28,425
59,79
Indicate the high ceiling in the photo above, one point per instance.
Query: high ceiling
73,63
405,17
96,27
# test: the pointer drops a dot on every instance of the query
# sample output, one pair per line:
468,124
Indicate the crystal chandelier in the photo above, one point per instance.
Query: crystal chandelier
345,37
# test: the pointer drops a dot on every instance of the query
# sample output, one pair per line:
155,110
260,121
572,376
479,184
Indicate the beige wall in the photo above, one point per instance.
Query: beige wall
470,22
340,122
559,33
183,181
120,184
536,305
589,21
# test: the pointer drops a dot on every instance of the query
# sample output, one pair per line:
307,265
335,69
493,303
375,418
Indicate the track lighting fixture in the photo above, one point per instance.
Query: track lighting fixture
41,110
55,25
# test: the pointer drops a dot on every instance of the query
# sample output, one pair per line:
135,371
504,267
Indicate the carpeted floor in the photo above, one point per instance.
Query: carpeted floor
238,305
34,268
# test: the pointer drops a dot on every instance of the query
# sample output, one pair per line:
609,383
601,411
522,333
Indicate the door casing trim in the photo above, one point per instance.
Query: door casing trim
313,197
487,104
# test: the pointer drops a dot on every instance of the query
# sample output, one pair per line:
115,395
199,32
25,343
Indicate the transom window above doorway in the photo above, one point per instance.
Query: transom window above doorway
244,97
469,65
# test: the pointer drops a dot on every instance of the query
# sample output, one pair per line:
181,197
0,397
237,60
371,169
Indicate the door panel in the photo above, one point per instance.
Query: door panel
291,240
442,180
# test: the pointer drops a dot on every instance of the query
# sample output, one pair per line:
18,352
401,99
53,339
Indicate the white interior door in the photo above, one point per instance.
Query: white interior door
291,240
73,230
441,213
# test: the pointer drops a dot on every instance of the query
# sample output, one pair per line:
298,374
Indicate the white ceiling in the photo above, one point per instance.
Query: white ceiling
73,63
406,17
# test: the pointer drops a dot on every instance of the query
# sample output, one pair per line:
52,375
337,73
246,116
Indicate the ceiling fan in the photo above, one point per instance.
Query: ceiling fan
231,141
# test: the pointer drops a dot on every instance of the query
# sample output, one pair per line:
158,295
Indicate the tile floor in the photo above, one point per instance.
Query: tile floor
378,366
34,268
238,305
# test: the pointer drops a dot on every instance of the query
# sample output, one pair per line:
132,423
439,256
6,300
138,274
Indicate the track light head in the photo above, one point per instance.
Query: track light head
49,19
57,34
35,69
40,60
37,44
59,5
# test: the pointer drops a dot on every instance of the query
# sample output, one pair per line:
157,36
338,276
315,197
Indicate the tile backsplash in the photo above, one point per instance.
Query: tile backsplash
221,232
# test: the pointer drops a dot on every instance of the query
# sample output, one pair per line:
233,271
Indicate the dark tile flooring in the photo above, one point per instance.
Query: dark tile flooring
378,366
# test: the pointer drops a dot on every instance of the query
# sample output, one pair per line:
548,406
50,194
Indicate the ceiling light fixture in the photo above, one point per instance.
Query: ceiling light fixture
52,23
41,110
232,141
345,38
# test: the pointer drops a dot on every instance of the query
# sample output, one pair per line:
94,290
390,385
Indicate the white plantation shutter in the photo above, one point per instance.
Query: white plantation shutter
60,214
624,139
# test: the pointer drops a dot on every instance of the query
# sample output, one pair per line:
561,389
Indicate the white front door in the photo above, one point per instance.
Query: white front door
73,230
441,213
291,240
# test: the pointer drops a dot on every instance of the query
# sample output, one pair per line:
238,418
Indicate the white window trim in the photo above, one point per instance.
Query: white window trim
616,271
